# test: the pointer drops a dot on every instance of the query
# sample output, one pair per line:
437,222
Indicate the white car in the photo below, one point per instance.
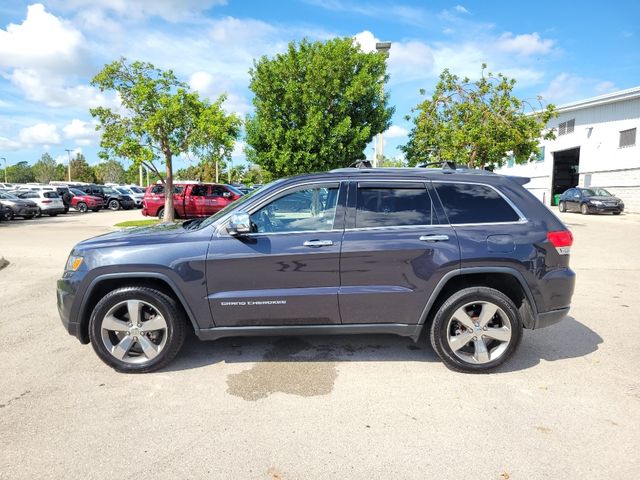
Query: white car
48,202
134,192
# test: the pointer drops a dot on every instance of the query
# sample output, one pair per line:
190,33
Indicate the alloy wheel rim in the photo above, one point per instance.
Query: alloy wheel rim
134,331
479,332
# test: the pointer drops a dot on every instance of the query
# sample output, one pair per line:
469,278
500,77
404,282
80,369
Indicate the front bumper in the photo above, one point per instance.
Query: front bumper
25,211
605,208
127,205
66,294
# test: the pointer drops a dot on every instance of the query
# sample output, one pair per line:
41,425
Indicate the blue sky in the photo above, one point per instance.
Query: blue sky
49,51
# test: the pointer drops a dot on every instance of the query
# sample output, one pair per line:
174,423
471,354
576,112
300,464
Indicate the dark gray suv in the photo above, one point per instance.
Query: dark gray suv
469,256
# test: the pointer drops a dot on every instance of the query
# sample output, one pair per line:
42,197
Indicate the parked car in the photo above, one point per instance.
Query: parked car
8,186
470,256
83,202
590,200
113,199
191,200
17,207
48,202
136,193
2,213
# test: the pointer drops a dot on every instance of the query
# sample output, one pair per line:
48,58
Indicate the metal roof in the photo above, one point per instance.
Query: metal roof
619,96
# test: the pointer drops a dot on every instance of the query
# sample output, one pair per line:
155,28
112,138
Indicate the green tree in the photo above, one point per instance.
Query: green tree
160,118
44,169
255,174
317,106
393,162
21,172
61,173
81,171
476,123
110,171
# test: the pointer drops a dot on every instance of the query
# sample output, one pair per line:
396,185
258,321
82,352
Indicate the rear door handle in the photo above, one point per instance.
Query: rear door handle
318,243
434,238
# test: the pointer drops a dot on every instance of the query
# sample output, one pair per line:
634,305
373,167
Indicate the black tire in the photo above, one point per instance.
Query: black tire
441,323
66,209
27,217
161,213
95,209
165,305
82,207
38,213
114,205
584,209
9,214
617,213
562,207
53,214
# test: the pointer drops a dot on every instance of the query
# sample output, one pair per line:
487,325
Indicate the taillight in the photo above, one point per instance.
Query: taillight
562,240
46,201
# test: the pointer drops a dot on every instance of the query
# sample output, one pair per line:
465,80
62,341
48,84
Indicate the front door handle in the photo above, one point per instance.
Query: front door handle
318,243
434,238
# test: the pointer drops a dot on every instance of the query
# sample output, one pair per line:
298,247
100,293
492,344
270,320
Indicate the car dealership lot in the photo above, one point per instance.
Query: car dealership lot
567,404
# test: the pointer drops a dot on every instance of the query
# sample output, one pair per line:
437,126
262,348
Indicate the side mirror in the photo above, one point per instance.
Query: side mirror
226,194
239,224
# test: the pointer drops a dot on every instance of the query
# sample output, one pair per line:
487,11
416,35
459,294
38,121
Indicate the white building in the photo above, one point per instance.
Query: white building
596,145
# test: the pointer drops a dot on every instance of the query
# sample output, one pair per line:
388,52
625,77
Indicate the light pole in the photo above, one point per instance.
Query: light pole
381,47
69,155
5,168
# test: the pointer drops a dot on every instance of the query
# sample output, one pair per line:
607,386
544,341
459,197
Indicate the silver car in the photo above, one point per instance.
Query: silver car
136,193
49,202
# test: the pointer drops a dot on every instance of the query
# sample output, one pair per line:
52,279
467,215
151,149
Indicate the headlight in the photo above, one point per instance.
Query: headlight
595,202
73,263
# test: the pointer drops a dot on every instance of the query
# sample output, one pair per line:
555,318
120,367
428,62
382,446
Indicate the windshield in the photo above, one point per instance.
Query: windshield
234,190
596,192
123,191
8,196
236,204
75,191
137,190
108,190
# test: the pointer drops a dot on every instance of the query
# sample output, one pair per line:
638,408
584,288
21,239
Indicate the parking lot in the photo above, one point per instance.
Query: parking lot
566,406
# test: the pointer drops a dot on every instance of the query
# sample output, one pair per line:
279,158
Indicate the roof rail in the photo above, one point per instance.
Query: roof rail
446,165
361,164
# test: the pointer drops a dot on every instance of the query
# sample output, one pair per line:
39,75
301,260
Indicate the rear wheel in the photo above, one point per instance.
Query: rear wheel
53,214
27,217
137,329
114,205
38,213
9,214
476,330
584,209
562,207
161,213
82,207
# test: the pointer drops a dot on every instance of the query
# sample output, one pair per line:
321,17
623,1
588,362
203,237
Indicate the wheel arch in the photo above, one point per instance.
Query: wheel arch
103,284
499,278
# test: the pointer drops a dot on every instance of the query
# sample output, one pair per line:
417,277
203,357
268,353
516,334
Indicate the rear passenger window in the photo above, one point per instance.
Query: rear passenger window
469,203
387,207
50,195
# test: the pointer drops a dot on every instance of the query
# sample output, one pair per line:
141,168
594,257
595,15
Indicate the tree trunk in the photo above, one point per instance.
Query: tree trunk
472,160
169,210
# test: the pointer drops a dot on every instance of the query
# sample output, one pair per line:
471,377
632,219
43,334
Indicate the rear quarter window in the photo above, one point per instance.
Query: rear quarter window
473,203
50,195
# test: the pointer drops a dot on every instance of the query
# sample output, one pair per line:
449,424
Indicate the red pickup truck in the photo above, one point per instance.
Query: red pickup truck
190,200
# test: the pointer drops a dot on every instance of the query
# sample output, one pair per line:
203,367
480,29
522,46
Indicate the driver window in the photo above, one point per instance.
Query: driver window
311,209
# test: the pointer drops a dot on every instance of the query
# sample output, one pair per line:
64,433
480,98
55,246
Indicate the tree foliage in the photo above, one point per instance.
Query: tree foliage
44,170
476,123
21,172
110,171
316,106
81,171
159,119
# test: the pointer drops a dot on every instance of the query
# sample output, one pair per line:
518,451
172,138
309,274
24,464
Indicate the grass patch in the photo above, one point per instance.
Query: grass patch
138,223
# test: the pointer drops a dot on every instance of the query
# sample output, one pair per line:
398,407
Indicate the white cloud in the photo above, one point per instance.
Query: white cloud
83,133
407,60
567,87
40,134
42,41
605,87
171,10
525,44
63,158
10,145
238,149
392,12
396,131
212,86
461,9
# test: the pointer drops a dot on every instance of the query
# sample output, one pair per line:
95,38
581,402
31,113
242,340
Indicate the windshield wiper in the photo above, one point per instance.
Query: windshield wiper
193,223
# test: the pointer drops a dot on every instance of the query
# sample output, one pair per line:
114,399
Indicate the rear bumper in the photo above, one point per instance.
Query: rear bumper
54,210
546,319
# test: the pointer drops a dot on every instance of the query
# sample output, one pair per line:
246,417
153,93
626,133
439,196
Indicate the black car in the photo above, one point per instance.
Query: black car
17,207
590,200
113,200
468,256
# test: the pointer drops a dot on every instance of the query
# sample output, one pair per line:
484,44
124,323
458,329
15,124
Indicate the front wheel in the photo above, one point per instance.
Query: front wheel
476,330
562,207
114,205
137,329
9,214
82,207
584,209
